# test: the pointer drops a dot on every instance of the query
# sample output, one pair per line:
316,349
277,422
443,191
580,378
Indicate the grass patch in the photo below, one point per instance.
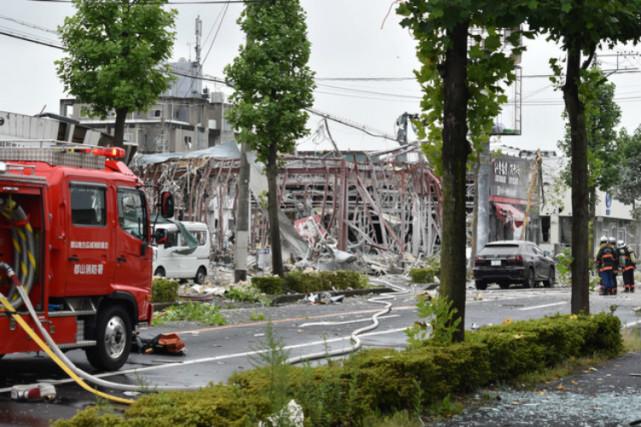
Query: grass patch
257,316
203,313
246,292
530,380
631,339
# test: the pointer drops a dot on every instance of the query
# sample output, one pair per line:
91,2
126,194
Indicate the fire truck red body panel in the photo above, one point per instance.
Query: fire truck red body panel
92,249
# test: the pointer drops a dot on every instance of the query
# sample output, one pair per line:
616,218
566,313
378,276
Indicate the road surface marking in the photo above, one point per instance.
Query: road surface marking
542,306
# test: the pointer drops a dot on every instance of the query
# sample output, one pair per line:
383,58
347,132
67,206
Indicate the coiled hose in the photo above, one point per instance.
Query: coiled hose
9,309
24,260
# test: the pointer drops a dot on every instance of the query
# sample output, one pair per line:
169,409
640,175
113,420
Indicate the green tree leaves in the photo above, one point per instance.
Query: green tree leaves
116,54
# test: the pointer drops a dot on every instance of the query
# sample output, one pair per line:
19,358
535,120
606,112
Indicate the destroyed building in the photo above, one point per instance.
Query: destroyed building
364,203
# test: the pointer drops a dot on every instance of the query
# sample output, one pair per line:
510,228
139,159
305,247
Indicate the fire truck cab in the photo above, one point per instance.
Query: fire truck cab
75,226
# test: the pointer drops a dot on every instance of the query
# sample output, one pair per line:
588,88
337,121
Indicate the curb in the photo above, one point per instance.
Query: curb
280,299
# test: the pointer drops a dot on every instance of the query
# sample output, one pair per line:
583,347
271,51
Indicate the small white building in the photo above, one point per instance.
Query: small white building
612,218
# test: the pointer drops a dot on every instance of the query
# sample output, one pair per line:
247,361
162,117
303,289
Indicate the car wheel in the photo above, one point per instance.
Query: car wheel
504,285
550,282
160,272
200,276
529,279
113,338
481,286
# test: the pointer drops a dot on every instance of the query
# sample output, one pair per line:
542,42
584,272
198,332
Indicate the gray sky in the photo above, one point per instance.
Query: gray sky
347,42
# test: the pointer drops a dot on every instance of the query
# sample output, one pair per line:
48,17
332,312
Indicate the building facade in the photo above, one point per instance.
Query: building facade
185,118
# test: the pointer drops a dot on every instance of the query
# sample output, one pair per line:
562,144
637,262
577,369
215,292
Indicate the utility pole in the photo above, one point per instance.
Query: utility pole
242,221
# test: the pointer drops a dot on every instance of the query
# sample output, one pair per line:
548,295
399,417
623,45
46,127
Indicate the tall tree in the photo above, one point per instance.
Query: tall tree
117,51
272,85
602,116
628,189
581,27
463,94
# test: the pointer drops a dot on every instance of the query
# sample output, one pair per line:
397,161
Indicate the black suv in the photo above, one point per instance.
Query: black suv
513,261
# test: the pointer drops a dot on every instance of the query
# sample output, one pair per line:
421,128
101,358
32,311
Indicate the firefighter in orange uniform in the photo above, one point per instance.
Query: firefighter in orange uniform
628,262
605,263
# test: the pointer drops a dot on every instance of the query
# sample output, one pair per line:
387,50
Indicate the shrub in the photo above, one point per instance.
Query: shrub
302,282
164,290
428,273
246,293
271,285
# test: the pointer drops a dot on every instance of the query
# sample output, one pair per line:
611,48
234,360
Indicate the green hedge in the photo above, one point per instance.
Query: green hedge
427,273
380,380
302,282
164,290
270,285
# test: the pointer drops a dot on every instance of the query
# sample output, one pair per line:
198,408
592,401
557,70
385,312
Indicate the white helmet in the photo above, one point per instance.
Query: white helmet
603,239
620,244
613,241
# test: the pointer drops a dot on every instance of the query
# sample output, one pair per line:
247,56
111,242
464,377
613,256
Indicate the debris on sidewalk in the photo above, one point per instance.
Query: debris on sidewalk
324,298
169,343
290,415
33,392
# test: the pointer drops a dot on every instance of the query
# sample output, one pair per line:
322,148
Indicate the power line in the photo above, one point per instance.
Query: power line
27,24
30,38
169,2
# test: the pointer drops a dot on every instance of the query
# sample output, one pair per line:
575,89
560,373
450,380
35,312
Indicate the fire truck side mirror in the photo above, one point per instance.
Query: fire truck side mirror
160,236
167,204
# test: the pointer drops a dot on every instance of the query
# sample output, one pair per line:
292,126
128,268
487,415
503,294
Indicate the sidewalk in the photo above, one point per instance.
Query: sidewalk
605,395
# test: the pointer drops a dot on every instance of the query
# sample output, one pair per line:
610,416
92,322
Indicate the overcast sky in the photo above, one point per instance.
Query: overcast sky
347,43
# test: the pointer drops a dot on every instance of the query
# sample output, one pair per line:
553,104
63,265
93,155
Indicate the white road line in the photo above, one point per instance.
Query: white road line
542,306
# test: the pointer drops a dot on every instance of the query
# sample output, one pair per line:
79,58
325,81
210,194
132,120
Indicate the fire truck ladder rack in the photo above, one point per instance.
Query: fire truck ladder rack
55,153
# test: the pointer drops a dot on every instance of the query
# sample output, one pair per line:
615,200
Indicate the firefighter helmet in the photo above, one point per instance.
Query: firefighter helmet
620,244
613,241
603,239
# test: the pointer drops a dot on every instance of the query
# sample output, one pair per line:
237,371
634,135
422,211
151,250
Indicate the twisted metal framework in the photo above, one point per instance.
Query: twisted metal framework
367,206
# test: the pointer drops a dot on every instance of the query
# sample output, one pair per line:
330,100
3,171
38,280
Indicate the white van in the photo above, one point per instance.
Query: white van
182,250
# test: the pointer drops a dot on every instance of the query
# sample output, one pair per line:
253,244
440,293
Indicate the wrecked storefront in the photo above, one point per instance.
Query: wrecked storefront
370,205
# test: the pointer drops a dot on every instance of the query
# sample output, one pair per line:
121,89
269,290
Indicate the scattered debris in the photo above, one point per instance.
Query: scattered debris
324,298
169,343
33,392
291,415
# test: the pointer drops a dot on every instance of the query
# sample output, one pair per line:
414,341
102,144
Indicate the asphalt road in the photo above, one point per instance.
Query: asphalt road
214,353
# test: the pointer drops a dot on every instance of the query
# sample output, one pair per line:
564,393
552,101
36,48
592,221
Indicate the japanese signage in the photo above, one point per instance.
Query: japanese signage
511,178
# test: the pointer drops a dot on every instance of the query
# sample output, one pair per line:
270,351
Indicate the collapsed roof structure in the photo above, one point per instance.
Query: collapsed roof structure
357,202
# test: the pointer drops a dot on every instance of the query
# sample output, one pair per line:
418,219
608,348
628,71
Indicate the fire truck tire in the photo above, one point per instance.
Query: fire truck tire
201,274
113,337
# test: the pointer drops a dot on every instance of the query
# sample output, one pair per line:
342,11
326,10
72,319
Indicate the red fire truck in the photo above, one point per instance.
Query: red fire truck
75,226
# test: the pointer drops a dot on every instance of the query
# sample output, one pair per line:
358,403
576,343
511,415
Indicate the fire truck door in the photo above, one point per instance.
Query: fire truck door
90,246
133,255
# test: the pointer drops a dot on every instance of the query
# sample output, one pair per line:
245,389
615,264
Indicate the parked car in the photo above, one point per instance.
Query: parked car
513,261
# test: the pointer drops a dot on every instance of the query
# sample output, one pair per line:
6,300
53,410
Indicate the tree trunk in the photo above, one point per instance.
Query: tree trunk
272,210
242,218
454,156
591,224
580,301
119,129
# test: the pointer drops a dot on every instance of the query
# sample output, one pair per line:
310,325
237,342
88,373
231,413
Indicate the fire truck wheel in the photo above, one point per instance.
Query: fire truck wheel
201,274
113,337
